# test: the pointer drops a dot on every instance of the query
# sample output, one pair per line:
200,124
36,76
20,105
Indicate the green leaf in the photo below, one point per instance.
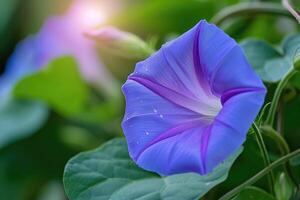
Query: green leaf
265,60
59,85
147,15
295,161
28,164
283,187
20,119
8,20
109,173
253,193
291,45
276,68
7,8
291,48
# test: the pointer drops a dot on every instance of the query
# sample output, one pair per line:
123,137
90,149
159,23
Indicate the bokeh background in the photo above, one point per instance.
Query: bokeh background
32,158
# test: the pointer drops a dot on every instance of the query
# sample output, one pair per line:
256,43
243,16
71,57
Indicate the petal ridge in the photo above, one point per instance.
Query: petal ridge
235,91
198,67
175,73
172,132
172,96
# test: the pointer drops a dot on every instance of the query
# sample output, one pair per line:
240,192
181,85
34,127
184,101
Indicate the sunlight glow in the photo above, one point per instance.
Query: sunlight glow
92,15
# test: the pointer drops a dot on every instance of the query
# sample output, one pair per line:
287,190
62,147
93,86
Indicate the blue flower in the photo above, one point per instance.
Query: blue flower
189,106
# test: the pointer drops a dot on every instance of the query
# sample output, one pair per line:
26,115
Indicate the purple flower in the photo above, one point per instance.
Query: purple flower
189,106
20,63
61,36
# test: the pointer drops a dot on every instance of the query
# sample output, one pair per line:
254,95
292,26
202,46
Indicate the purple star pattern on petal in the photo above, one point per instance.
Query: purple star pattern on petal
189,106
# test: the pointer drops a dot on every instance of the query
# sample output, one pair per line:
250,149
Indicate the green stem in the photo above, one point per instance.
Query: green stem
279,121
265,155
274,104
263,111
275,136
260,174
249,9
283,147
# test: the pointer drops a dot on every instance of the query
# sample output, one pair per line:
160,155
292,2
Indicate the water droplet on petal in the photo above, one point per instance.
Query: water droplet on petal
154,110
147,133
161,116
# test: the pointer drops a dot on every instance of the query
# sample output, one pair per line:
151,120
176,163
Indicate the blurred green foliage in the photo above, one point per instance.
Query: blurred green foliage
59,85
19,119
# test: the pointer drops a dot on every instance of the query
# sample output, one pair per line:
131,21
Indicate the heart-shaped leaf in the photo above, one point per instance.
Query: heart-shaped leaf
59,85
295,161
271,65
291,48
253,193
266,60
276,68
19,119
291,45
109,173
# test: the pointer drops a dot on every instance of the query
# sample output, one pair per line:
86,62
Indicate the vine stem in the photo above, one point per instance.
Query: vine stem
275,136
260,174
248,9
290,8
283,147
265,155
274,104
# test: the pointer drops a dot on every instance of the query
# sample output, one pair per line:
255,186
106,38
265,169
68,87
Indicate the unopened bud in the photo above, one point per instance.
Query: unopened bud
283,187
120,43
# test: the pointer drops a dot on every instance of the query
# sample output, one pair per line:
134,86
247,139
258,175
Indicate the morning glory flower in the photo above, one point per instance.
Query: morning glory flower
189,105
62,36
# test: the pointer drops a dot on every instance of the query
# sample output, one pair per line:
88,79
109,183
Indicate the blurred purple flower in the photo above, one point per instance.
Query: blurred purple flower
189,106
59,36
108,34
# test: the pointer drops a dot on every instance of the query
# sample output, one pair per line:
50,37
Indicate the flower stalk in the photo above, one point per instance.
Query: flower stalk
265,155
274,104
283,147
260,174
275,136
250,9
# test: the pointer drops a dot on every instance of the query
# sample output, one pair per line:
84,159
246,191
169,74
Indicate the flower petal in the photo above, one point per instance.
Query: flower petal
177,154
210,93
223,61
21,63
229,129
173,70
151,120
241,91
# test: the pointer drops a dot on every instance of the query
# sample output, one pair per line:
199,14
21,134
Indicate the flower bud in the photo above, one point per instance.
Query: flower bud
283,187
120,43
